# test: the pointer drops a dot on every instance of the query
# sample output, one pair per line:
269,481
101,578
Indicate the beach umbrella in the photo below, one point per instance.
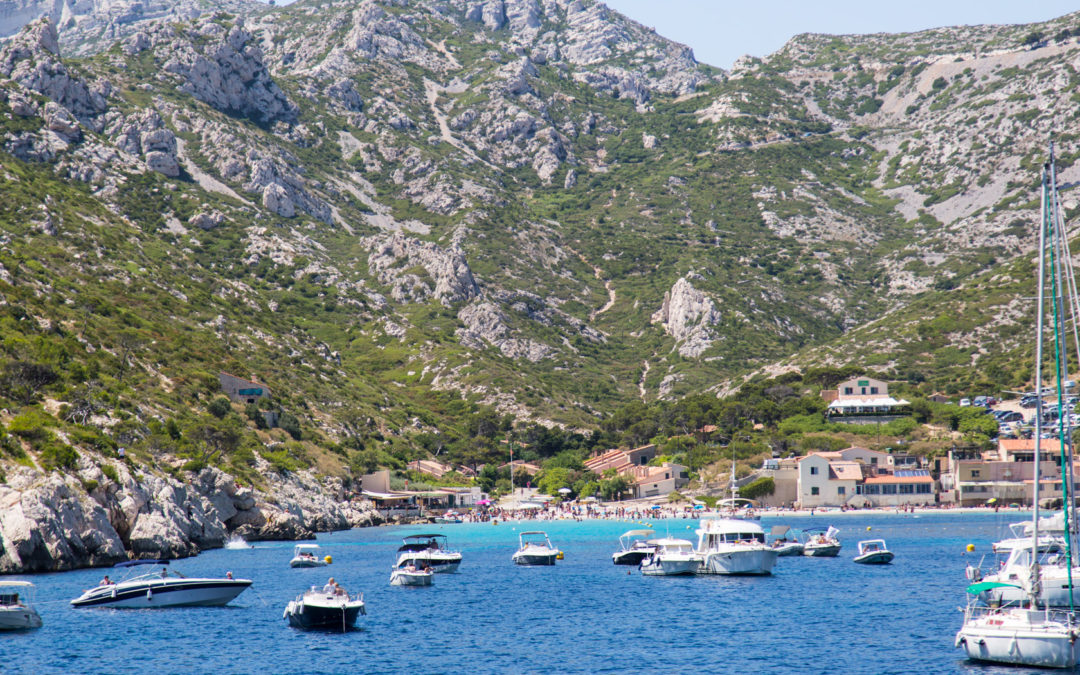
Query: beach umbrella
699,506
484,502
565,491
655,506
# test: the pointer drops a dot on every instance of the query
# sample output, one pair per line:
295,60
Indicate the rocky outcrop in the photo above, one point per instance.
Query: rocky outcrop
688,315
220,67
449,278
485,323
51,522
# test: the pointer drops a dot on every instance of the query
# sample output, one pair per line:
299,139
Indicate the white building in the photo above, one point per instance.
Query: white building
864,397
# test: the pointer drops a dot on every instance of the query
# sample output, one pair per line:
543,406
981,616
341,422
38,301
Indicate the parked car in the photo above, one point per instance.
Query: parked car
1069,384
965,402
979,400
1008,416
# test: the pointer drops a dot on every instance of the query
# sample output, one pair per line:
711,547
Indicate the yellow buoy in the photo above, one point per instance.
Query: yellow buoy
868,528
971,548
559,556
328,560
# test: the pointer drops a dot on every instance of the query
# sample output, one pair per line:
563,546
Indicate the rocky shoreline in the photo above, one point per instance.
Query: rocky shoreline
94,517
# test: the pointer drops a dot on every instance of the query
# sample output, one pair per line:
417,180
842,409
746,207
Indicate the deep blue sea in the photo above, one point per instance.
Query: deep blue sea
585,615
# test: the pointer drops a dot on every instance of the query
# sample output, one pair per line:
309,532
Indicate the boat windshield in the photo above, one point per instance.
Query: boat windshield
735,537
9,599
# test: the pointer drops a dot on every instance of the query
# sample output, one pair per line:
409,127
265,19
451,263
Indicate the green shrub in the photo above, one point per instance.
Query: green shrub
31,425
219,407
291,425
110,472
57,455
90,485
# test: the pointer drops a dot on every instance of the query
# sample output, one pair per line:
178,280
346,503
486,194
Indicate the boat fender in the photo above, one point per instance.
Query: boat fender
960,640
559,556
113,593
149,595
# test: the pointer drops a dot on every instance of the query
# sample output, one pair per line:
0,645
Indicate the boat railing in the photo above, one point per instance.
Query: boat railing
977,610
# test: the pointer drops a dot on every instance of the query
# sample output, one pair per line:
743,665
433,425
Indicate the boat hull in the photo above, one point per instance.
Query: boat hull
174,593
670,567
788,550
875,558
535,559
739,560
629,557
821,550
400,578
19,618
440,563
1019,642
307,563
307,616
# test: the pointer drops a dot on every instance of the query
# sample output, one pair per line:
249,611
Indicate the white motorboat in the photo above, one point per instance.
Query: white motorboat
734,546
874,552
534,548
671,557
17,610
307,555
315,609
409,575
784,546
428,550
633,547
237,543
1027,635
161,589
1021,536
822,543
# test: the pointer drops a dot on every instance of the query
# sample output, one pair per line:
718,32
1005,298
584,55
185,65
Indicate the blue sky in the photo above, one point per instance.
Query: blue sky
720,31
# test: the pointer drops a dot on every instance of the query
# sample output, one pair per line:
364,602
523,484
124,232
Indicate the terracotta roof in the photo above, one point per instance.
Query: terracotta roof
846,470
1014,444
827,454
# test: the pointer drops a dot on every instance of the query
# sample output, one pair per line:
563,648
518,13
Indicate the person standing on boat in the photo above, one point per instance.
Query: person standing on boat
330,586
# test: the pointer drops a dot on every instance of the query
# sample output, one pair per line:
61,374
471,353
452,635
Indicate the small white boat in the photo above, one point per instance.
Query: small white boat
633,547
237,543
17,610
411,576
734,546
1018,635
785,547
671,557
315,609
428,550
160,589
449,517
534,548
822,543
874,552
307,555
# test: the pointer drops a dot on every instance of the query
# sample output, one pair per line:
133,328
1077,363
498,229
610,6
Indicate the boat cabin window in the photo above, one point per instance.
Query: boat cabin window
732,537
9,599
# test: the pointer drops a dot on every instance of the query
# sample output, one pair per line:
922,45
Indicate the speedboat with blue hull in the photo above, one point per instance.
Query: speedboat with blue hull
161,588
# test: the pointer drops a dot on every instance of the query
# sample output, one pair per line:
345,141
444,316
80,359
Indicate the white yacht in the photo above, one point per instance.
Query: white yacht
733,546
307,555
874,552
161,589
633,547
671,557
1021,536
315,609
1014,578
534,548
17,610
822,543
430,550
1027,635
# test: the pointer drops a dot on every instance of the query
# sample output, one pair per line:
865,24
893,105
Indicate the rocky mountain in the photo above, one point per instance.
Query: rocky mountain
410,218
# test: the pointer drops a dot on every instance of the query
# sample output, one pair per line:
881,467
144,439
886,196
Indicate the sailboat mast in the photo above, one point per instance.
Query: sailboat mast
1039,319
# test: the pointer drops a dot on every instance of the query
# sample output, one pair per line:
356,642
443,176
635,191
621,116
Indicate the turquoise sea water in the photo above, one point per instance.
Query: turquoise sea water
584,615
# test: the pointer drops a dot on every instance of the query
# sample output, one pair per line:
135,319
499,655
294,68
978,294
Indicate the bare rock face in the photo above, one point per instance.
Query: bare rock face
688,315
49,526
451,279
485,323
220,68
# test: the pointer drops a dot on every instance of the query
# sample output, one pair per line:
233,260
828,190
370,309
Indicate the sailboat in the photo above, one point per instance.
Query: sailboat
1024,634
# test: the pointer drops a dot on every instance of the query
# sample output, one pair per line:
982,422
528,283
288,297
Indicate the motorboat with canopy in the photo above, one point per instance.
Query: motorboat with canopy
321,609
874,552
784,546
307,555
534,548
633,547
17,611
733,544
821,542
161,588
1029,633
430,550
671,557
